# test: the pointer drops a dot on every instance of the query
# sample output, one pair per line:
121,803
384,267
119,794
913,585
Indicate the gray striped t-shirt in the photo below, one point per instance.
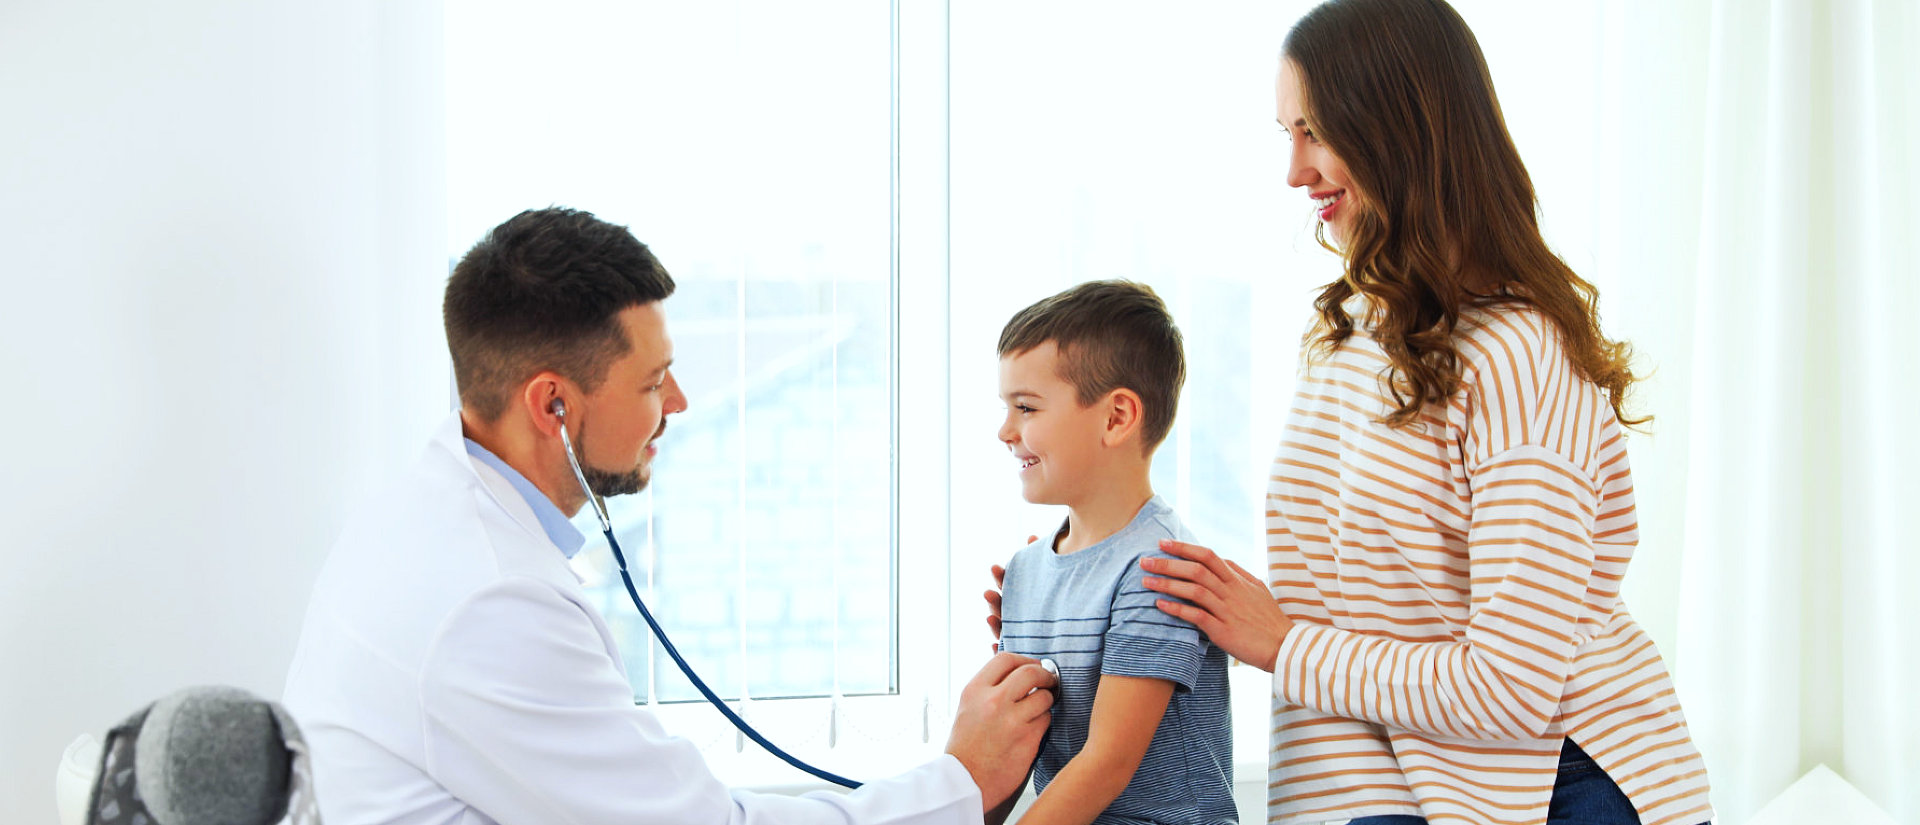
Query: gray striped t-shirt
1089,613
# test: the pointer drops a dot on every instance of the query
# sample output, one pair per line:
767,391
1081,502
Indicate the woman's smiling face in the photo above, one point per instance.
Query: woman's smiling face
1312,164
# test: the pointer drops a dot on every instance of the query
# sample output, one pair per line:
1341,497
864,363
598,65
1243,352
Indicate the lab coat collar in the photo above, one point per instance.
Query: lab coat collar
552,521
517,496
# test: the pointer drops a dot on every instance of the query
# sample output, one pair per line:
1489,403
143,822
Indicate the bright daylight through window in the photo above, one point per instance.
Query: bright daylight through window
823,516
765,546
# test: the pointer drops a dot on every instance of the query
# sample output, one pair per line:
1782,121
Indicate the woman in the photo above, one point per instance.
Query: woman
1450,512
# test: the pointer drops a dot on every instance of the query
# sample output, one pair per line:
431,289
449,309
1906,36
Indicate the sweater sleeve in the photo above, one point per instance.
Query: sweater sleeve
1533,434
1530,555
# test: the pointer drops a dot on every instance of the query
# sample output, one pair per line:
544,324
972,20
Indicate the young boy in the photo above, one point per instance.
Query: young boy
1141,730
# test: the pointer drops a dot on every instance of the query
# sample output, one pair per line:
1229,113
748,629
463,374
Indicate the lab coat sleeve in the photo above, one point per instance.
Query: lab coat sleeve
529,720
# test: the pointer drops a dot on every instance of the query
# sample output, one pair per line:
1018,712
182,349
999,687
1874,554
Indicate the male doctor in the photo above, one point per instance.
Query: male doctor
451,670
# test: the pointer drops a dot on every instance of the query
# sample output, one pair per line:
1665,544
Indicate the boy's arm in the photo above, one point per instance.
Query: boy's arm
1126,712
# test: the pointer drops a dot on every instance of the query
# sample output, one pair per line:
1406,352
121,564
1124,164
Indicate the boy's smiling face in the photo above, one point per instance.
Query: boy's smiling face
1054,439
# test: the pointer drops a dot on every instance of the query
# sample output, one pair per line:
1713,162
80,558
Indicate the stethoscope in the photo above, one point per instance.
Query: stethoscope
606,526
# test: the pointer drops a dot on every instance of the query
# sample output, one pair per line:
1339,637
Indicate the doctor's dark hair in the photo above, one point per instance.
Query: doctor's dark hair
1445,220
544,291
1110,335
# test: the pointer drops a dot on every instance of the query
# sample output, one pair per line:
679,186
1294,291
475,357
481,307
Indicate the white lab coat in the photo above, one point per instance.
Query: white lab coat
452,671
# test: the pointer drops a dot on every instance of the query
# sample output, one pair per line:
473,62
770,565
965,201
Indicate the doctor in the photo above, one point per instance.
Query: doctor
451,670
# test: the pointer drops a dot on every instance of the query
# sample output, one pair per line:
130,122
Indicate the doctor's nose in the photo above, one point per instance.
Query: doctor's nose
676,401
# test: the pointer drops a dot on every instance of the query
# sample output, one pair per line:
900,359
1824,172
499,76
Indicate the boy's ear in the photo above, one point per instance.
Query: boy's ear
1123,417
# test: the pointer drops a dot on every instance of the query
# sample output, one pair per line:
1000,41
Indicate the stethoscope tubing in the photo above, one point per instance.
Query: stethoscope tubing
719,704
606,526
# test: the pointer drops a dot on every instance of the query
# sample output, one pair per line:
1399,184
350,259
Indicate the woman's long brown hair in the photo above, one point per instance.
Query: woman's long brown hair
1399,91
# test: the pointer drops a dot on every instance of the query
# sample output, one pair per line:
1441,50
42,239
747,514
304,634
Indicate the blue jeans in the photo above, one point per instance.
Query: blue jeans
1582,795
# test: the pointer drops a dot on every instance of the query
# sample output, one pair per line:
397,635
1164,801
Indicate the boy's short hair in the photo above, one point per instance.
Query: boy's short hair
1111,335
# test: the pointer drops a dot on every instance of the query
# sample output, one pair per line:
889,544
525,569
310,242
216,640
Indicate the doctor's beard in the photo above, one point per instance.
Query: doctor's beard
607,484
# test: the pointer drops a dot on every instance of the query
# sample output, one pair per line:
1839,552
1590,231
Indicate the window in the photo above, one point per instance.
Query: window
853,199
1124,142
751,146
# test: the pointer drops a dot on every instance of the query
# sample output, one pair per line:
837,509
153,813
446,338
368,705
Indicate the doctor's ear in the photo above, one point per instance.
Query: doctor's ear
543,399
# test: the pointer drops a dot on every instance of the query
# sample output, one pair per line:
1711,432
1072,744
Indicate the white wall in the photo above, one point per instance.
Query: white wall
222,226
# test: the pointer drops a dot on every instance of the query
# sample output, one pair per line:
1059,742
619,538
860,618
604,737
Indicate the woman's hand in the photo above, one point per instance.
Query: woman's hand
993,600
1228,604
993,596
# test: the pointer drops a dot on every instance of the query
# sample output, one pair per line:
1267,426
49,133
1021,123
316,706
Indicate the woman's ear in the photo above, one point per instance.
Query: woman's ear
1123,417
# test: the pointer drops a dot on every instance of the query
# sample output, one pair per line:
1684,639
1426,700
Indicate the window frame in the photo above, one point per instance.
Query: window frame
870,736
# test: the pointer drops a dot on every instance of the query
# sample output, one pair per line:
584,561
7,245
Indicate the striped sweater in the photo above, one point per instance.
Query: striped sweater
1456,591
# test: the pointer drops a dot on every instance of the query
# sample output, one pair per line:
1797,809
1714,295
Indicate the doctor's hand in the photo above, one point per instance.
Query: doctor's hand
1230,605
997,729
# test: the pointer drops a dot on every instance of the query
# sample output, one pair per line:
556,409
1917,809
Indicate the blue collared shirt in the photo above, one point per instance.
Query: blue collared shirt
559,530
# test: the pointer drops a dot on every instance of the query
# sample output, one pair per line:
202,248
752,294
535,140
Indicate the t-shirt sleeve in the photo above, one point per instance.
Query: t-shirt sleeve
1145,642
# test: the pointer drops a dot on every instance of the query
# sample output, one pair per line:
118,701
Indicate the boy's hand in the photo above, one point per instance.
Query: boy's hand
993,596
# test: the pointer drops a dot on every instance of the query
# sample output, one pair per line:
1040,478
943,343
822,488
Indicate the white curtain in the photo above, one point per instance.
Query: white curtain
1757,178
1876,132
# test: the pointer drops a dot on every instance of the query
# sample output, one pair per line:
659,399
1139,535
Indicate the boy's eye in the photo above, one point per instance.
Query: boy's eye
1023,408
